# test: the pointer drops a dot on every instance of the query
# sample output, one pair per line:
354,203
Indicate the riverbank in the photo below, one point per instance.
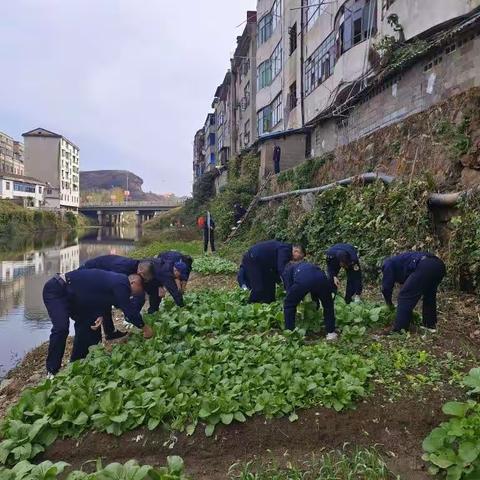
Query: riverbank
17,220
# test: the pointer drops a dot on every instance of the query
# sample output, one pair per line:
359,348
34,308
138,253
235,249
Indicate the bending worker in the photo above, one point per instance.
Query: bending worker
420,274
84,295
171,257
126,266
344,255
263,266
303,278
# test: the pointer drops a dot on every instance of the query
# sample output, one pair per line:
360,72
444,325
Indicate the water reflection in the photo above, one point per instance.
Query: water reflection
26,264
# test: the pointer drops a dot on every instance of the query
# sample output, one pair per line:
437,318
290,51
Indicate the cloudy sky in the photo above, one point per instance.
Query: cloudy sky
128,81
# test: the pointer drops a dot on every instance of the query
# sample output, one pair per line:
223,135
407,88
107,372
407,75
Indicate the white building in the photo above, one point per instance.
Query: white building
26,191
56,161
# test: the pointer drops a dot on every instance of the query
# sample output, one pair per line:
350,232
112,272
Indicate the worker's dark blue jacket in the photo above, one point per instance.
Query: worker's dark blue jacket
272,255
163,277
171,257
303,278
333,253
113,263
242,278
93,291
397,269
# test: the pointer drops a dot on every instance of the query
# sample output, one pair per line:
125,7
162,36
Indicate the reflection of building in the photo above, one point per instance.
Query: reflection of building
56,161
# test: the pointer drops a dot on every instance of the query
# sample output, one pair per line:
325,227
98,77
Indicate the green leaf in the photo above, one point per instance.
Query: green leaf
175,464
293,417
226,418
239,417
209,429
469,451
456,409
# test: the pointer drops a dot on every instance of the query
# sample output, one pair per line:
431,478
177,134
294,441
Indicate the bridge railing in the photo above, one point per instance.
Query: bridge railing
167,203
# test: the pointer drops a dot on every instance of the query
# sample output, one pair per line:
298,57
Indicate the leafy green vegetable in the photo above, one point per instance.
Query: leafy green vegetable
212,264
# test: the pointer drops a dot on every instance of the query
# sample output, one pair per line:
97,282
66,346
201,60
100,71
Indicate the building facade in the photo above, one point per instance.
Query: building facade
210,142
25,191
244,86
199,154
222,106
11,155
54,160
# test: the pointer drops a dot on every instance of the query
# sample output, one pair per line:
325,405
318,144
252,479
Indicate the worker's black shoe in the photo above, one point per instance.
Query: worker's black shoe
115,335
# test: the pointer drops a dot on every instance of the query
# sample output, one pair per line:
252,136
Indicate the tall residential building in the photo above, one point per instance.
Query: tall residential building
222,105
210,142
55,160
199,154
244,85
11,155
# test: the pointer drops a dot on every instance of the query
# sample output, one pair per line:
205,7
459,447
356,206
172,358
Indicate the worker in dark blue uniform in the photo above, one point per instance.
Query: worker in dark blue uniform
263,265
242,278
171,257
84,295
303,278
344,255
420,274
166,278
126,266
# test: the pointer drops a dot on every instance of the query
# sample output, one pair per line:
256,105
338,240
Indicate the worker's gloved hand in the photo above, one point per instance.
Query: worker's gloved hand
97,324
162,293
356,299
336,282
147,332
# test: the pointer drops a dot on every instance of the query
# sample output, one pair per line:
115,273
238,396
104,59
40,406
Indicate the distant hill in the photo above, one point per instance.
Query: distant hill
108,180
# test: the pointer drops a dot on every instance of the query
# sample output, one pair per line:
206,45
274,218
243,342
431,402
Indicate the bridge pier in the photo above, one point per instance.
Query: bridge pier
100,217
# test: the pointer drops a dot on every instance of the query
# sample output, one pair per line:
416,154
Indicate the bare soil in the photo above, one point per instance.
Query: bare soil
396,427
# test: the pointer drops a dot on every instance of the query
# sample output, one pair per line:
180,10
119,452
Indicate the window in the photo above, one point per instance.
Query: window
292,96
212,158
269,117
268,70
313,11
7,185
356,22
292,32
269,23
246,132
321,64
212,119
246,95
23,187
211,139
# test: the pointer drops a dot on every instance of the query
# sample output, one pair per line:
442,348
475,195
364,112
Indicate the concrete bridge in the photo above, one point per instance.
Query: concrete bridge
110,214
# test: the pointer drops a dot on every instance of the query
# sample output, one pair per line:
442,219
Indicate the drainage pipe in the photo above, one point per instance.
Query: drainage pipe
435,199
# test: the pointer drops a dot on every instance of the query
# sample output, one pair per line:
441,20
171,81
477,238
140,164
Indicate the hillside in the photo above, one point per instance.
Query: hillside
97,180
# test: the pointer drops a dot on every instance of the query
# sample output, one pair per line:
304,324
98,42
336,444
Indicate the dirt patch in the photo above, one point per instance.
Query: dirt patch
201,282
396,428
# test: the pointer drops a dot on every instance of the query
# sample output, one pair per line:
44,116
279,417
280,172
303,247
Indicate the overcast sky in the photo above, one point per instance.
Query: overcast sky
128,81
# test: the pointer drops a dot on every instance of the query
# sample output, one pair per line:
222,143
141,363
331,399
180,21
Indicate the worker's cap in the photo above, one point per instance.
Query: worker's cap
183,269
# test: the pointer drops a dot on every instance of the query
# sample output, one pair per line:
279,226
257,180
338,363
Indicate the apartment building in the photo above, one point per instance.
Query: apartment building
199,154
54,160
11,155
244,85
222,106
210,142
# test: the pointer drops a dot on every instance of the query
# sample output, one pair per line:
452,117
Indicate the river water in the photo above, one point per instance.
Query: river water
26,264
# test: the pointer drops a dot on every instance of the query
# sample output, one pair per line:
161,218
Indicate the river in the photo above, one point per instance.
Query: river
26,264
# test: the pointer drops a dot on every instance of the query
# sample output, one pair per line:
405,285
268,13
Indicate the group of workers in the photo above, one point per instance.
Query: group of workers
87,295
269,263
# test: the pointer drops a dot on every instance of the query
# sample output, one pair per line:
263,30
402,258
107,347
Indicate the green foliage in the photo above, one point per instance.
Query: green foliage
215,361
303,176
453,448
358,464
463,255
241,188
152,249
47,470
457,137
71,219
212,264
380,220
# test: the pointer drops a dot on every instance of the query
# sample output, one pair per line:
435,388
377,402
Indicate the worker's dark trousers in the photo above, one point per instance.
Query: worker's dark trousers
321,291
354,283
108,326
423,282
55,298
261,280
205,240
85,337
